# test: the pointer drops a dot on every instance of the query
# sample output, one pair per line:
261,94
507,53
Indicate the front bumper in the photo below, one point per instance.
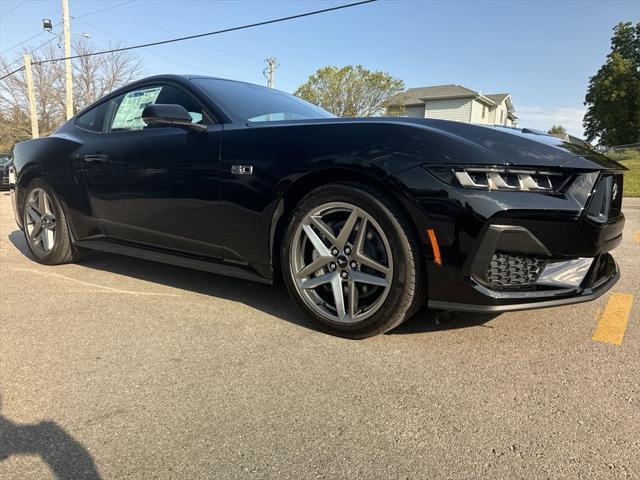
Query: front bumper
572,250
597,284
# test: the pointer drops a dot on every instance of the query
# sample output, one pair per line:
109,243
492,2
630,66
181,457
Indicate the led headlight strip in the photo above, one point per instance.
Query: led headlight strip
515,179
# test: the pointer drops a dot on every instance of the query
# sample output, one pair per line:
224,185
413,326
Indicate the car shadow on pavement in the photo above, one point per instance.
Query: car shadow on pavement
17,239
427,320
66,457
273,300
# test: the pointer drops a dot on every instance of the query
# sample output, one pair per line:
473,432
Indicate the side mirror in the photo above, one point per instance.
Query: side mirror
168,115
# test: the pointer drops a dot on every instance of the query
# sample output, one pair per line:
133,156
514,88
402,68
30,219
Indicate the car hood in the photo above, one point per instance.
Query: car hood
524,146
503,145
521,146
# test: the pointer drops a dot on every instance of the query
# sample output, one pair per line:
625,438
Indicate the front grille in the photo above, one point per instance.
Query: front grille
512,271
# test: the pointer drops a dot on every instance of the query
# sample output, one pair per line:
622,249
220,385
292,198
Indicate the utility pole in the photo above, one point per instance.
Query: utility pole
67,53
269,72
35,133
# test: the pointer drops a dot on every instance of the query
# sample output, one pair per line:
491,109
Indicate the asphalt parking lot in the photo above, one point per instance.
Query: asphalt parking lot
122,368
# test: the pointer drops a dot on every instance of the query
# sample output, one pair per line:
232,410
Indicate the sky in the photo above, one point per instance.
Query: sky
541,52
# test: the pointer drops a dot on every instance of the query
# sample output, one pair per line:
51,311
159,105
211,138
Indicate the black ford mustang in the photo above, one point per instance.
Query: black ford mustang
364,219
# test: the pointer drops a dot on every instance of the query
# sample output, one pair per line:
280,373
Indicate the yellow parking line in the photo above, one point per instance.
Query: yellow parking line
613,322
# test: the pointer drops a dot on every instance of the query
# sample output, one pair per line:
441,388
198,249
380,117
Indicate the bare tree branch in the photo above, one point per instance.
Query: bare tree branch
93,77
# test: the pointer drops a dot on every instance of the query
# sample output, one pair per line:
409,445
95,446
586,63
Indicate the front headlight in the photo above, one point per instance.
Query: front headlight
522,179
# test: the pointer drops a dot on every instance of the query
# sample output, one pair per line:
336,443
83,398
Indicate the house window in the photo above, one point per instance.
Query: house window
484,111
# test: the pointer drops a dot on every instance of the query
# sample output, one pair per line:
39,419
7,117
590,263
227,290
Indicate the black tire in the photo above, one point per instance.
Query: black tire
63,251
406,294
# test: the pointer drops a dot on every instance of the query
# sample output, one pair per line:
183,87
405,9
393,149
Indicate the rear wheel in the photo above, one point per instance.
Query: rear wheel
45,226
351,261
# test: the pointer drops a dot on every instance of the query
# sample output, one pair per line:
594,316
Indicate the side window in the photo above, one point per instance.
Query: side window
175,96
93,119
128,107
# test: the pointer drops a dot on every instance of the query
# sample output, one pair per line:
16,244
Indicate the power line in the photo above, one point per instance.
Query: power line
59,23
93,27
147,51
201,44
56,37
44,44
11,73
190,37
216,32
14,8
28,39
79,16
103,9
21,43
30,53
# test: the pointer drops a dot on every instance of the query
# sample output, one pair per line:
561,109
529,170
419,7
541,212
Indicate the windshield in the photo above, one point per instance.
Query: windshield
4,159
258,104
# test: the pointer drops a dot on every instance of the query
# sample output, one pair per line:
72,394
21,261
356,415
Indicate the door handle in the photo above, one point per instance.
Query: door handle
98,158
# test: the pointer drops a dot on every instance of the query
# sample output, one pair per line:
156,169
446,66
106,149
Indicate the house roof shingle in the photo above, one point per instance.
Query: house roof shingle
416,96
497,97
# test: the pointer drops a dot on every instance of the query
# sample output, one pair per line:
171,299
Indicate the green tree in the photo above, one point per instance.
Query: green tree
613,96
557,130
351,91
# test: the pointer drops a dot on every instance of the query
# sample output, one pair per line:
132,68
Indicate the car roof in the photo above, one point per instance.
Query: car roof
182,79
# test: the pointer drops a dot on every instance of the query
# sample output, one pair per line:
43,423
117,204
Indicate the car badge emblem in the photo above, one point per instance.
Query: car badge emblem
242,169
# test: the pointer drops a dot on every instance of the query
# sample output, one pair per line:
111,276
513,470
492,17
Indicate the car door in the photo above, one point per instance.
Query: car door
156,186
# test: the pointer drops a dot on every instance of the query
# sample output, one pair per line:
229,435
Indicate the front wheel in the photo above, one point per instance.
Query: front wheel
351,261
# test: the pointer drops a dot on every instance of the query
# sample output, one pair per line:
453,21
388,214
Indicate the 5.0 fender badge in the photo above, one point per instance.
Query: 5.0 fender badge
242,169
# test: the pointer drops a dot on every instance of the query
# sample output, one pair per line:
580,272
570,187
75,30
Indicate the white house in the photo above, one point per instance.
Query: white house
454,102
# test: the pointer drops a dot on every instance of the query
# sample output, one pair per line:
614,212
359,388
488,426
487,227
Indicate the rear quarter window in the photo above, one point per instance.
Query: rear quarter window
93,120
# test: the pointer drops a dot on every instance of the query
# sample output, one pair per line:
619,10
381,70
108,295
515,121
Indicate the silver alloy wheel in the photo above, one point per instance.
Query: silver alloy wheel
40,221
341,262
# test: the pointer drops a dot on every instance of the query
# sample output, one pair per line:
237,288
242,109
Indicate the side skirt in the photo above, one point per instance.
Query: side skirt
172,259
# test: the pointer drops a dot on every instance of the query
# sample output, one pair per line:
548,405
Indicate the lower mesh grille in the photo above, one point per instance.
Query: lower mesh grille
508,271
